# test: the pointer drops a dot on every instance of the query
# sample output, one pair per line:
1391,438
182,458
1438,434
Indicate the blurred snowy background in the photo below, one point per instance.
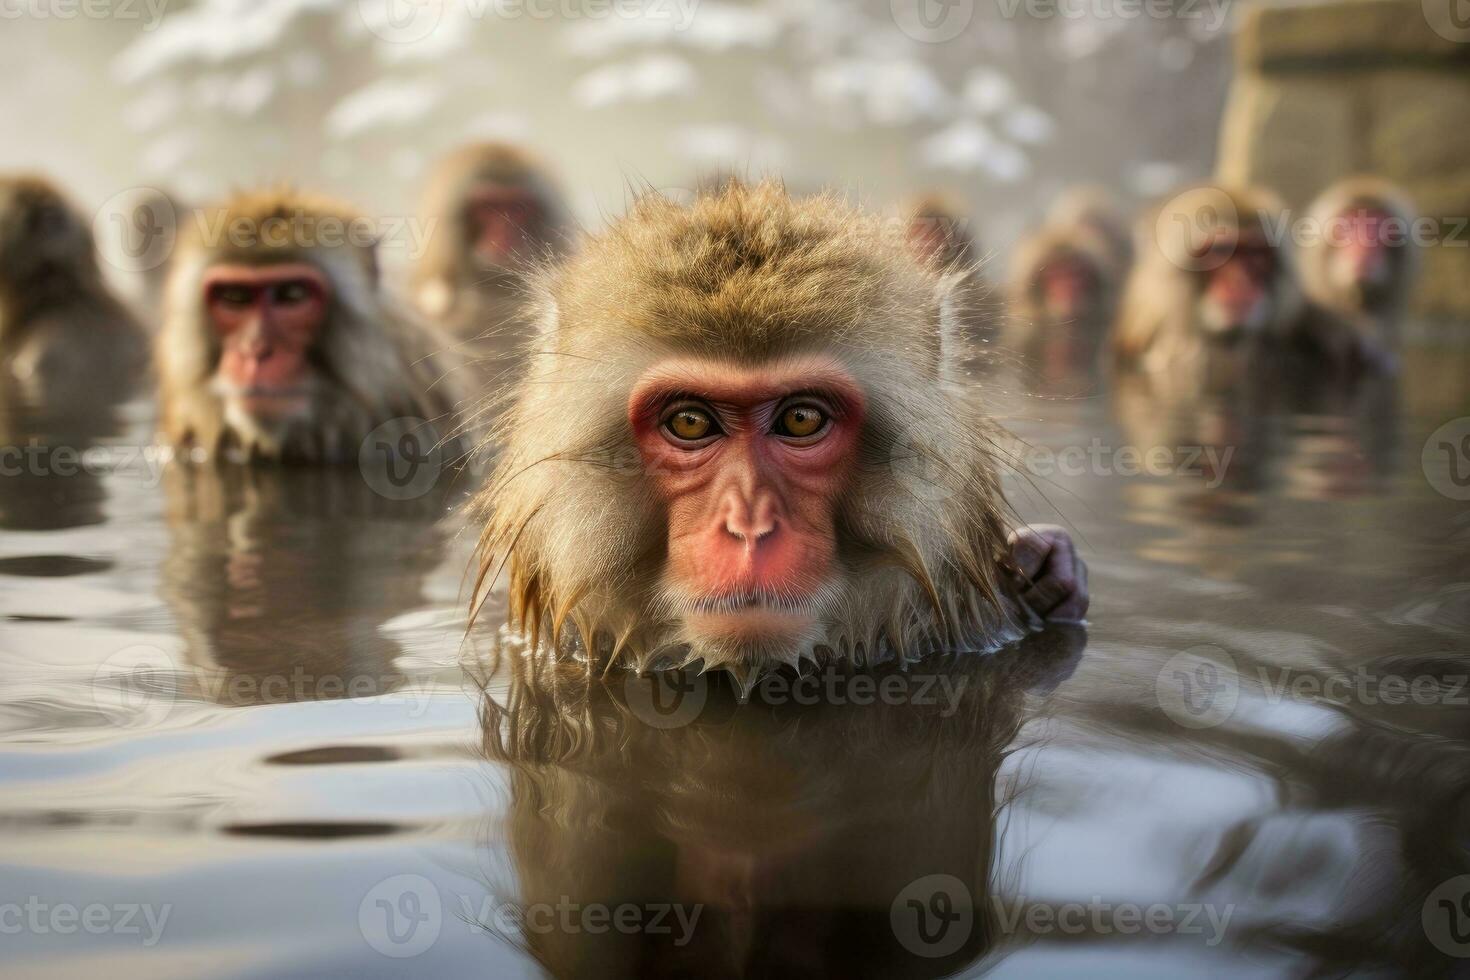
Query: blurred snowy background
1001,102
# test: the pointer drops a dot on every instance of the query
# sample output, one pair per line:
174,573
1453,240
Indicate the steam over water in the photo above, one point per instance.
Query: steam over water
242,735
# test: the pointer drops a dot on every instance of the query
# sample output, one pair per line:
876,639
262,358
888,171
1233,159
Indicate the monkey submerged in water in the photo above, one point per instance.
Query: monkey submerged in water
1357,272
736,446
279,343
65,340
939,232
1213,290
495,214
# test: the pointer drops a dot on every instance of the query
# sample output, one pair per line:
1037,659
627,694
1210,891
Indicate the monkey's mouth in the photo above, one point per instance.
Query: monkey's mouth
754,600
752,615
265,399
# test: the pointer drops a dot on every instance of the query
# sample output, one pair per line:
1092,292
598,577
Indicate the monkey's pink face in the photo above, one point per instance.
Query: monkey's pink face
1237,300
1069,287
504,223
750,463
267,319
1362,248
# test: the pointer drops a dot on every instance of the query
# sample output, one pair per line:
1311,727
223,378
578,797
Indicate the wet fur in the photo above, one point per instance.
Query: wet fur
448,284
375,361
1340,325
746,275
63,336
1158,326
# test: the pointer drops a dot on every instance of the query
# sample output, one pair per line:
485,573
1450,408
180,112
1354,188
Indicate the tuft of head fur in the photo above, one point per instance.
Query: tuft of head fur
744,275
375,362
1158,316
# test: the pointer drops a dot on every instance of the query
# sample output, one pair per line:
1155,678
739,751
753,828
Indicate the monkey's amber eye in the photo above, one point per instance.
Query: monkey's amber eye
291,293
800,421
237,296
690,424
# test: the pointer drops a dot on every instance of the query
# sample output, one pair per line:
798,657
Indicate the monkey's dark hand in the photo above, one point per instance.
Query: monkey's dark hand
1053,582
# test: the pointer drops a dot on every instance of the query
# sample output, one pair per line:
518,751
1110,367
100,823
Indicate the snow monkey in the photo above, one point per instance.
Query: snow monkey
1213,287
1097,210
278,341
736,445
495,215
1063,288
1357,270
939,231
64,338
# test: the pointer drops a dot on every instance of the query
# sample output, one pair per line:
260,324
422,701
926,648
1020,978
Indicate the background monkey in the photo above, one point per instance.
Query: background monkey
1357,270
65,340
1095,209
938,231
496,214
1213,285
737,446
279,342
1063,289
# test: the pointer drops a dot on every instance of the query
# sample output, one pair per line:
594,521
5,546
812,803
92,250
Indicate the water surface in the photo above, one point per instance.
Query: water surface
244,734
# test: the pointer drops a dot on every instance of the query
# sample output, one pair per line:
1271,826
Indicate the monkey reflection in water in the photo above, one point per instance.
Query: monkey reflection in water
840,824
281,579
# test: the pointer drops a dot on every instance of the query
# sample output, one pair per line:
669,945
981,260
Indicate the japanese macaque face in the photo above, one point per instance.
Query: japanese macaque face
1363,259
937,232
267,320
1069,287
737,446
279,344
496,214
504,224
1062,290
750,463
1237,294
1215,279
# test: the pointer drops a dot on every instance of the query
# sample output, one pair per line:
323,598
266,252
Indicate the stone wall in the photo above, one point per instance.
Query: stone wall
1327,89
